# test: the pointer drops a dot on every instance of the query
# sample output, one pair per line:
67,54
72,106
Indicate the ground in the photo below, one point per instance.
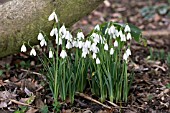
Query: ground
150,90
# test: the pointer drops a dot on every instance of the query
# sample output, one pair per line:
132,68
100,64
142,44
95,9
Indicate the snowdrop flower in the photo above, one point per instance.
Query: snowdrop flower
80,35
75,43
84,54
94,48
53,32
52,17
123,38
125,56
87,44
68,36
43,43
128,52
116,44
111,30
97,28
68,45
127,28
23,48
96,37
106,47
62,31
129,37
94,56
50,54
80,44
58,41
120,33
63,54
33,52
116,33
111,51
40,36
97,61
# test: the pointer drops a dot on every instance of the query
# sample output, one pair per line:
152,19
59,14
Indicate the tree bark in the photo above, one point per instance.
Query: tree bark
21,20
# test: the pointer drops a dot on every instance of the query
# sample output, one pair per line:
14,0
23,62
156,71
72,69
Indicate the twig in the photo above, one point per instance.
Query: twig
115,105
93,100
31,72
20,103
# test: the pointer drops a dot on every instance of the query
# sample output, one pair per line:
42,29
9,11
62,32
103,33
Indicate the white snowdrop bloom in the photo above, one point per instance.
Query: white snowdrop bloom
106,47
53,32
94,56
33,52
85,50
40,36
123,38
125,56
80,44
52,17
58,41
96,37
63,31
115,43
120,33
75,43
111,30
127,28
63,54
94,48
43,43
97,28
23,48
50,55
128,52
68,36
97,61
111,51
69,45
106,31
80,35
116,33
101,39
84,54
87,44
128,37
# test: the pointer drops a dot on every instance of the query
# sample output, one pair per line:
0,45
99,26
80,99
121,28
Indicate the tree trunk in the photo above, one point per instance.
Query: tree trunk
21,20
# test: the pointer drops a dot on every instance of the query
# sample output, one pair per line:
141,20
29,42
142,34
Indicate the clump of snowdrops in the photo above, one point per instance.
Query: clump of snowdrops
99,60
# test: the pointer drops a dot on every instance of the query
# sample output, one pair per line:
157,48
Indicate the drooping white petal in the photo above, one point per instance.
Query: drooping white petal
125,56
87,44
40,36
106,47
127,28
52,16
68,45
75,43
43,43
96,37
63,54
56,18
68,36
111,51
123,38
23,48
33,52
63,31
97,61
80,35
115,43
50,54
128,52
111,30
84,54
94,48
53,32
94,56
80,44
58,41
120,33
129,37
97,28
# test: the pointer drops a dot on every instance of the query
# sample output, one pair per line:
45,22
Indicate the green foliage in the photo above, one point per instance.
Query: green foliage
1,72
157,54
44,109
168,86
